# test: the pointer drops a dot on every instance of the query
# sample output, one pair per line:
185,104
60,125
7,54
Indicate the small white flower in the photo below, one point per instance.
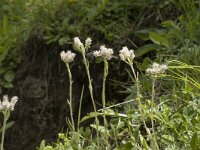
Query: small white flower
88,42
96,53
127,55
78,44
156,69
67,57
6,106
104,52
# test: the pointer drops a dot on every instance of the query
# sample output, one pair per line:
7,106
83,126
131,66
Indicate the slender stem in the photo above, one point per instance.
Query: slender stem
70,96
133,70
91,95
139,99
79,116
136,79
155,145
6,116
104,100
152,103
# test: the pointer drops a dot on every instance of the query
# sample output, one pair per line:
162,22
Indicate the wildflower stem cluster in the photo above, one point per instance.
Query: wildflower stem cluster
80,48
105,54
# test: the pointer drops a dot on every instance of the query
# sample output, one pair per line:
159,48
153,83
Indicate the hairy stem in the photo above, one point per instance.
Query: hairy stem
155,145
104,100
70,96
79,117
152,103
6,116
139,100
91,95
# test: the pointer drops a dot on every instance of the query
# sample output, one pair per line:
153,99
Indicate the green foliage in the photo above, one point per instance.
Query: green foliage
176,116
176,113
12,31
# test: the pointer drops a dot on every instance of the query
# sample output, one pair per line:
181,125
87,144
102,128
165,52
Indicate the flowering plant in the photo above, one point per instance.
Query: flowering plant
156,69
6,107
105,53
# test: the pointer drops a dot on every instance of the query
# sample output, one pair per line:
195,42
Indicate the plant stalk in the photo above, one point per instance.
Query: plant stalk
79,117
6,117
70,96
104,100
91,95
155,145
139,99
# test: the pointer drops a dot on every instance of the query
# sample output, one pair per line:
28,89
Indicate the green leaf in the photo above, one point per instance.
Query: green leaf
143,34
145,49
42,145
9,76
194,143
167,139
136,134
158,39
63,40
8,125
98,60
144,143
7,85
125,146
100,128
89,116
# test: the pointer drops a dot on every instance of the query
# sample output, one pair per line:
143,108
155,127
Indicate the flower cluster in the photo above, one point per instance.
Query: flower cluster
156,69
67,57
6,105
126,55
104,52
79,45
88,42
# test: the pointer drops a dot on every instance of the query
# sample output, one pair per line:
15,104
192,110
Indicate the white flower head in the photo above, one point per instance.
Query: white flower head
156,69
88,42
127,55
6,105
78,44
104,52
67,57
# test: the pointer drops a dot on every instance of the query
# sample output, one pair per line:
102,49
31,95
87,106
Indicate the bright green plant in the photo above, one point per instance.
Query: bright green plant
6,107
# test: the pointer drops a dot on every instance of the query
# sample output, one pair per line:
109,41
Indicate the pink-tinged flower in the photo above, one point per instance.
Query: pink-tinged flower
104,52
67,57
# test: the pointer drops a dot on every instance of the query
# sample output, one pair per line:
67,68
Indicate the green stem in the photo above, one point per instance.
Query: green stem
104,100
6,116
139,99
91,95
134,74
152,103
70,96
155,145
79,116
